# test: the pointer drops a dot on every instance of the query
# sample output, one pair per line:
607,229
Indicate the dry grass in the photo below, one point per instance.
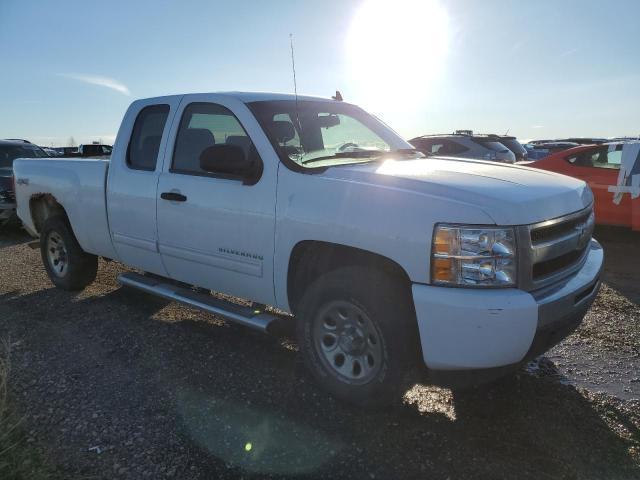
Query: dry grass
18,460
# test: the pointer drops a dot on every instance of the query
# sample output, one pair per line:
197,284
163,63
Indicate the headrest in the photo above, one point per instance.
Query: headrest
283,131
239,140
200,135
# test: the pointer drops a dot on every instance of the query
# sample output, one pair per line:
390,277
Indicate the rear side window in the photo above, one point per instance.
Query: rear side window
491,145
202,126
144,146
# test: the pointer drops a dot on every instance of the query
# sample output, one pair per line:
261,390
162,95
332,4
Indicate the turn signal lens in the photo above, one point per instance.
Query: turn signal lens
443,270
442,241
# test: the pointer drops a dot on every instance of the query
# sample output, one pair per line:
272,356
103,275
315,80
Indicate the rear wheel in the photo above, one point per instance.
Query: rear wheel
68,266
357,333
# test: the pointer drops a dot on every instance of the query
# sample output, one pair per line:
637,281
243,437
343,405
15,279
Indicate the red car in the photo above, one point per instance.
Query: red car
612,171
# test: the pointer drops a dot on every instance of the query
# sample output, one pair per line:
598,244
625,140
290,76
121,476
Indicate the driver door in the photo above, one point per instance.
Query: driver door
214,230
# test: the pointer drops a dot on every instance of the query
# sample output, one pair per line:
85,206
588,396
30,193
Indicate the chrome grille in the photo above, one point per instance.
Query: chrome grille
553,249
547,233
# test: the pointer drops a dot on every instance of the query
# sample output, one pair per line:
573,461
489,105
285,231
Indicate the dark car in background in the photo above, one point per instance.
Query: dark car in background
94,150
67,151
9,151
539,149
85,150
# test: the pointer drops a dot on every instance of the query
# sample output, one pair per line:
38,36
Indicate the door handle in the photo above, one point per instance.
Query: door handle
173,197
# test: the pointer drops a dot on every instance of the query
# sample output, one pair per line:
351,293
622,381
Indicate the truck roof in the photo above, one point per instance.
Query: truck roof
248,97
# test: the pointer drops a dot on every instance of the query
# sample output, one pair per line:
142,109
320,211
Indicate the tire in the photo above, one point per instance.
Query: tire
9,222
358,335
68,266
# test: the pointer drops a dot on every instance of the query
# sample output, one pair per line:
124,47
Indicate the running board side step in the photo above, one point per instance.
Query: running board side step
164,288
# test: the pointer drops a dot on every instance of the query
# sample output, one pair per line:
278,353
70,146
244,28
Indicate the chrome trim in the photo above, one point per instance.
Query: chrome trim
532,254
561,219
578,292
470,257
246,316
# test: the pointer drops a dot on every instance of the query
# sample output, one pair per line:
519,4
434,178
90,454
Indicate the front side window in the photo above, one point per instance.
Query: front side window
605,159
144,146
450,147
204,125
315,133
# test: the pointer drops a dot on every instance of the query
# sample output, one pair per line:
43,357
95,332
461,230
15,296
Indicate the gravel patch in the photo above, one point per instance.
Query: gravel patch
117,384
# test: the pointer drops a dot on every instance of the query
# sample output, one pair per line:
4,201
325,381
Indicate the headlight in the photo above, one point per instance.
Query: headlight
473,256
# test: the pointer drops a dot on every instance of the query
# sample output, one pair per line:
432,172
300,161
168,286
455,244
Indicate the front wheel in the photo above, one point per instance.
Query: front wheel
357,333
68,266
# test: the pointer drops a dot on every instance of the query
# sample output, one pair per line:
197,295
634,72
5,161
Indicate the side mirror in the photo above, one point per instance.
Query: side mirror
227,160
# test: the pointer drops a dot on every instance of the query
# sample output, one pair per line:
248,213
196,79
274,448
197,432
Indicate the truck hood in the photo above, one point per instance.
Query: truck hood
509,194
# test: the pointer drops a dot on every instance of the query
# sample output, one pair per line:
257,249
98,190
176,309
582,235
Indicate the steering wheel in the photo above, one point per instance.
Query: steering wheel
344,146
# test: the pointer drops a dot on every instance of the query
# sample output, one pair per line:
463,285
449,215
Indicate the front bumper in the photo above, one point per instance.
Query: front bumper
465,329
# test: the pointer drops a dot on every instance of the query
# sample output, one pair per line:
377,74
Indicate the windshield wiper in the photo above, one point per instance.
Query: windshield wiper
359,154
366,154
405,151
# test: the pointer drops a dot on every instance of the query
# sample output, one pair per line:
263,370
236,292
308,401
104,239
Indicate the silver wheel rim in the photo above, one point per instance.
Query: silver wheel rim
57,254
348,342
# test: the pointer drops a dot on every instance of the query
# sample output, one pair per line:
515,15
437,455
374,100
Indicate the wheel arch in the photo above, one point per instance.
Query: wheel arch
43,206
311,258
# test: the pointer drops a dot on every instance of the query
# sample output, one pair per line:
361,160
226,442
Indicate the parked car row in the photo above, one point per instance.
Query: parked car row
598,161
13,148
83,151
9,151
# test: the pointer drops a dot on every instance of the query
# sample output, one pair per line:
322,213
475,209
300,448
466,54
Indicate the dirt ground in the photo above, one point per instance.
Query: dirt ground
116,384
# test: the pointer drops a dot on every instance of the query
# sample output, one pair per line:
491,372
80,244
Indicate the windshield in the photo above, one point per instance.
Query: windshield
514,145
8,153
316,133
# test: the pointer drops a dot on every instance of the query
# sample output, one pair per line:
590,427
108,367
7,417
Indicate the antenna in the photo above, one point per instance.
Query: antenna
293,67
507,132
295,84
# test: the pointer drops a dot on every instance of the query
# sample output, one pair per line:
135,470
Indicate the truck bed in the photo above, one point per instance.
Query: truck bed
79,186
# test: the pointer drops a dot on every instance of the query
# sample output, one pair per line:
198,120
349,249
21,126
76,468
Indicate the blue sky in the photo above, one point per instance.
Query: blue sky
544,68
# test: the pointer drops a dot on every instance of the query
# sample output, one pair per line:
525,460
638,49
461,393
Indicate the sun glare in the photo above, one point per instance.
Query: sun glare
395,50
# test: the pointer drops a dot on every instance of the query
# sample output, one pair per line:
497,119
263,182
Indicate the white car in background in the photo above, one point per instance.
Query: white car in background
463,143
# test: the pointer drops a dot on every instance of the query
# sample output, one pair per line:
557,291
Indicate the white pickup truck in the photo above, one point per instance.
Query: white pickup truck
386,258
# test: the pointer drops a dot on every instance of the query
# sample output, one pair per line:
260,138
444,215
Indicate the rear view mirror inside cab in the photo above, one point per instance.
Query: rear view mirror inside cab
328,121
